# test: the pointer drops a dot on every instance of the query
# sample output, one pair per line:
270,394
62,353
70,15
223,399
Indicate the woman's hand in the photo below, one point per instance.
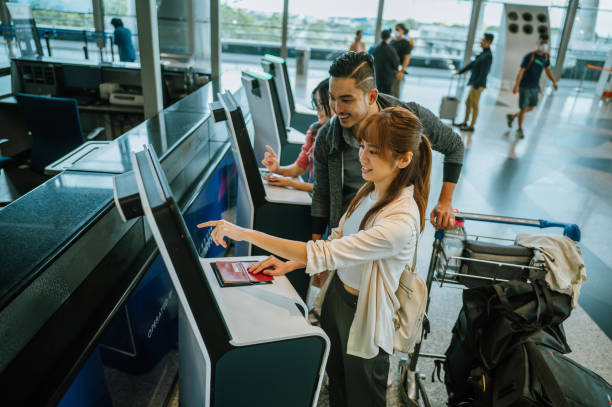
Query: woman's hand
280,181
271,160
272,267
223,229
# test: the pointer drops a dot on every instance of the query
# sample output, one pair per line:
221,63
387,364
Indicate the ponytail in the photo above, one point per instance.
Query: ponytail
421,177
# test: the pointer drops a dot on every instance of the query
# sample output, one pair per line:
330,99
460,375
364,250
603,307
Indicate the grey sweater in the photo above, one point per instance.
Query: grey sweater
327,207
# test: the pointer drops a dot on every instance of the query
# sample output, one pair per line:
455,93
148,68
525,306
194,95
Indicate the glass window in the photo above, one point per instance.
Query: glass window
249,29
328,28
59,13
438,33
590,43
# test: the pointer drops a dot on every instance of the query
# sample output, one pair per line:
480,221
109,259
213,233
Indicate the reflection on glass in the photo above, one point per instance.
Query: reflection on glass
330,26
438,33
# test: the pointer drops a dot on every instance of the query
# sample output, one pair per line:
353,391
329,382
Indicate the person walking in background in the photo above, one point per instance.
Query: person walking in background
123,40
527,82
403,47
478,81
358,45
386,63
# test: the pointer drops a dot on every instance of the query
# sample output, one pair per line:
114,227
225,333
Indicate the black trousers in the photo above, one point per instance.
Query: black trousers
353,381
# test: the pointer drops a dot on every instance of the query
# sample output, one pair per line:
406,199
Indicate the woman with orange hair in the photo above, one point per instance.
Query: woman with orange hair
367,253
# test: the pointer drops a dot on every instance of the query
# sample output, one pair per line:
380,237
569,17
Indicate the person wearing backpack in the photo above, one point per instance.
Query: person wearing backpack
527,83
369,253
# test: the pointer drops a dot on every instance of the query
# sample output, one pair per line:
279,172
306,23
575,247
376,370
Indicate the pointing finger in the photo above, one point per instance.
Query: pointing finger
270,150
208,224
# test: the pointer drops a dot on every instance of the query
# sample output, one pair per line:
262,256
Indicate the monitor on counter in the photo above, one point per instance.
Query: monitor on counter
265,112
277,67
174,242
247,162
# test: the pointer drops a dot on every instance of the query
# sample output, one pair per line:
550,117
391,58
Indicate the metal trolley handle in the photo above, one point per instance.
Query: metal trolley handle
570,230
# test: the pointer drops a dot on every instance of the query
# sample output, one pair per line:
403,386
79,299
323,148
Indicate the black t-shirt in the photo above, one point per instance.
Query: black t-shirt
385,64
402,47
531,77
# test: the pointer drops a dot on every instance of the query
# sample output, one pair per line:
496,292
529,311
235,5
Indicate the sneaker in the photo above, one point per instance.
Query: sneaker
459,124
466,128
509,119
520,134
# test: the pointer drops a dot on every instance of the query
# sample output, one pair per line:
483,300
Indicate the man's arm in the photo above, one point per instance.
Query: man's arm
405,62
467,67
519,76
319,211
551,76
444,140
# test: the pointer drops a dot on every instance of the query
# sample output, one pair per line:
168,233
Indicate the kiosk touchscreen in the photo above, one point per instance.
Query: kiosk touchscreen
243,345
296,116
279,211
270,126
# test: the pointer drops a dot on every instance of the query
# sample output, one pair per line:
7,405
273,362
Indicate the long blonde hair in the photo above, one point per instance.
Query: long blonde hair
396,131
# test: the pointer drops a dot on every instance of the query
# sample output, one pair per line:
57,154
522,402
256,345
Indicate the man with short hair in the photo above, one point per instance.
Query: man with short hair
386,62
354,97
403,47
123,40
478,81
527,82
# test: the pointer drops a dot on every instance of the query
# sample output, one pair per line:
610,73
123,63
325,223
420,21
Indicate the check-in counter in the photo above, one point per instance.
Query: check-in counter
85,295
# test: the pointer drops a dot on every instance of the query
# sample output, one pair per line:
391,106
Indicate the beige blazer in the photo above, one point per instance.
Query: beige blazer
383,250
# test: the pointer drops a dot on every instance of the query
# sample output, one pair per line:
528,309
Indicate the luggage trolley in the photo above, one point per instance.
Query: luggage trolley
444,268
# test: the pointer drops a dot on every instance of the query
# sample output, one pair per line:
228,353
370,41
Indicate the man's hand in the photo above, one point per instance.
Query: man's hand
515,89
272,267
443,216
555,85
399,75
319,279
270,160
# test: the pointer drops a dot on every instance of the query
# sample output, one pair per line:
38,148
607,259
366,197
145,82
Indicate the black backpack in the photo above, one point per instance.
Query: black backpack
507,341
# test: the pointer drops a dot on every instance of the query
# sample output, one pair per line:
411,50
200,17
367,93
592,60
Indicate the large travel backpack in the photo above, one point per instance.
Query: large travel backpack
507,348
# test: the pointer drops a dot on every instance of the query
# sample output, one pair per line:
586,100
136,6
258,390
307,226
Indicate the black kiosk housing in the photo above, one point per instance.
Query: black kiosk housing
238,346
274,210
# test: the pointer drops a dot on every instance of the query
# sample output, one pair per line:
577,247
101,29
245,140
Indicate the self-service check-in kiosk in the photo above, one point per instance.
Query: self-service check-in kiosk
296,116
279,211
238,346
270,126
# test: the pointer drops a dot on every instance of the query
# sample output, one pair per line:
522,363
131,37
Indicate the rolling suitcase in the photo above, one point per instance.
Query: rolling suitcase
449,104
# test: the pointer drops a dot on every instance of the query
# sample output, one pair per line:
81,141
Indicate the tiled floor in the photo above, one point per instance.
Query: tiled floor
561,171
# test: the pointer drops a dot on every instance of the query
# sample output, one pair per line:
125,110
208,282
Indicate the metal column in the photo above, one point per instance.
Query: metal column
215,45
283,52
566,35
148,42
379,17
98,17
474,19
6,19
